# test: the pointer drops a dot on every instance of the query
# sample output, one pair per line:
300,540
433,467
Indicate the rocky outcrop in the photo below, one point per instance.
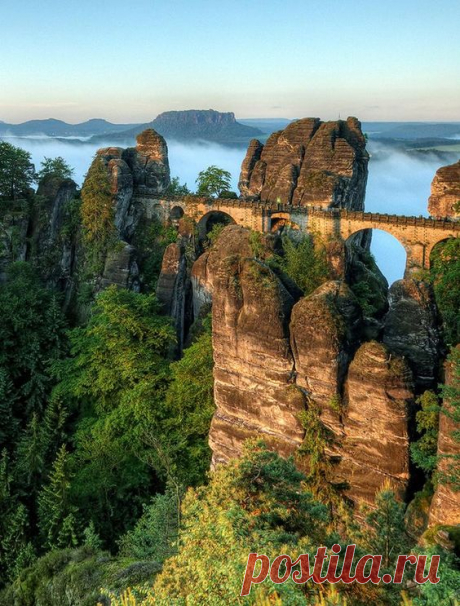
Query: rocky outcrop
445,192
445,505
375,446
121,268
324,332
253,365
233,241
173,286
411,329
309,163
135,171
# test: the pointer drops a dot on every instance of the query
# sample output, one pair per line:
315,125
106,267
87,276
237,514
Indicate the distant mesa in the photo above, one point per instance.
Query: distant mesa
195,125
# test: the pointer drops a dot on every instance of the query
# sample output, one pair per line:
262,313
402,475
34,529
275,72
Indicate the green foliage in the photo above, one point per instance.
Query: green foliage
256,244
54,168
97,209
445,276
212,181
256,503
176,189
385,532
75,576
367,282
117,378
155,535
447,591
424,450
152,238
190,406
450,393
31,336
215,232
15,550
17,172
304,262
56,514
228,195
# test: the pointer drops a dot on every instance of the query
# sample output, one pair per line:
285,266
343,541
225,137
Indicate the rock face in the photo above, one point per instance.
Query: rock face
139,170
121,268
133,172
445,192
309,163
322,355
375,446
445,505
253,365
274,356
172,287
411,329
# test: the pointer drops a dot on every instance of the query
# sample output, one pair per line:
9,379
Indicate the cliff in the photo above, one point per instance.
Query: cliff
445,505
193,125
445,192
277,354
309,163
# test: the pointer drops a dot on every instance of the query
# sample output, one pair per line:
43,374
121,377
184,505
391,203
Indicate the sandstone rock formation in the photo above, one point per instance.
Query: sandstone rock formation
253,365
133,172
445,505
375,447
412,329
121,268
445,192
309,163
324,333
172,287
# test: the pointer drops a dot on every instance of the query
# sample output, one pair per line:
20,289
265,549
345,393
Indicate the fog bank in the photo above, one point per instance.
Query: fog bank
398,182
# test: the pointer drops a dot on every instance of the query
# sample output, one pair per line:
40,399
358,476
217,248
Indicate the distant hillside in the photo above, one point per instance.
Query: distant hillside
412,130
58,128
194,125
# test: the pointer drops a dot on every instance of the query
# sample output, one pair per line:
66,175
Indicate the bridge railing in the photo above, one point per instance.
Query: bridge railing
314,211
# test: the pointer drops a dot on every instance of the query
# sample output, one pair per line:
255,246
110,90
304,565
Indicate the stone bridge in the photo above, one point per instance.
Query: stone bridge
418,235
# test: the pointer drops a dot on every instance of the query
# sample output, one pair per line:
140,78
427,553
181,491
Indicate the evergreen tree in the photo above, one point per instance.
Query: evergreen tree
385,531
17,172
424,450
54,168
56,513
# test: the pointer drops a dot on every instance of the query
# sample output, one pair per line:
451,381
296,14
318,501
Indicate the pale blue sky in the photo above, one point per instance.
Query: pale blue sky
128,60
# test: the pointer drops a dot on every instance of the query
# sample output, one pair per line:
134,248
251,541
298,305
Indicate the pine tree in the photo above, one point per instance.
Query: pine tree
385,531
30,454
56,514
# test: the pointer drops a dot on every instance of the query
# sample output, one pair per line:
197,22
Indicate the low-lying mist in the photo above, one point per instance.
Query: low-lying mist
398,182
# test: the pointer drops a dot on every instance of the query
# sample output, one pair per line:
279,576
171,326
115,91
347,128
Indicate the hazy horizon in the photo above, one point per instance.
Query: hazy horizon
389,61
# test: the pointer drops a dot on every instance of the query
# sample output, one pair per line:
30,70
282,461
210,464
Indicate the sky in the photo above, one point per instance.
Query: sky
127,61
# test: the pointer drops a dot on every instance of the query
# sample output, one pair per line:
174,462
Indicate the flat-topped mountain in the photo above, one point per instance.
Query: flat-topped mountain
194,125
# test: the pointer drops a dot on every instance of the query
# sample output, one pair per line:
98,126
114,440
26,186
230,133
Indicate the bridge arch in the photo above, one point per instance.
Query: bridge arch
393,265
211,218
435,247
280,220
176,213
